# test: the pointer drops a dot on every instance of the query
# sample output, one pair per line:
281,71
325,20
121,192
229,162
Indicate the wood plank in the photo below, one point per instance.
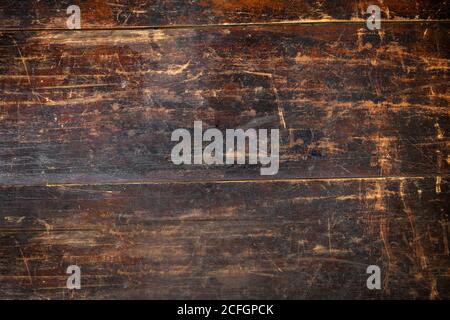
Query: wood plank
287,239
129,14
100,106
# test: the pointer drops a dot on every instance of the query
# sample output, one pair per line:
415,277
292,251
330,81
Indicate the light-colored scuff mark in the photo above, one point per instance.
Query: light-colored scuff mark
436,64
434,293
279,107
319,249
329,147
348,197
302,58
256,73
438,184
24,63
384,235
385,148
158,35
48,227
173,70
379,195
416,238
25,261
321,198
95,97
281,115
360,37
13,219
439,133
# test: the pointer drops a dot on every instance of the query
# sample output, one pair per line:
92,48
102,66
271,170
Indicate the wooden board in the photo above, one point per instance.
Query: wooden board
292,239
131,14
101,106
86,176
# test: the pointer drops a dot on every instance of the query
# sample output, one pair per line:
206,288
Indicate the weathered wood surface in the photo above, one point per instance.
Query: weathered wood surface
51,14
292,239
100,106
85,171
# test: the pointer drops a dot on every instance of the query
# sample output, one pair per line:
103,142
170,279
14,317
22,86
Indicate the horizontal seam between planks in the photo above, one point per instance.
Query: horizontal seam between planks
228,25
230,181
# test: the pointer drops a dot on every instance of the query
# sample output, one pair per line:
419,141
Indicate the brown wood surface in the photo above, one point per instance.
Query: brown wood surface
100,106
51,14
85,170
292,239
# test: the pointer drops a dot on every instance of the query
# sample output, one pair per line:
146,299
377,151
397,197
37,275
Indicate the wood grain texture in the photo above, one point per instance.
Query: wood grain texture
100,106
303,239
86,176
50,14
